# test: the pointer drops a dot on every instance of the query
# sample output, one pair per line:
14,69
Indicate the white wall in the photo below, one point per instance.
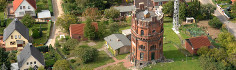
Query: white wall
30,59
26,4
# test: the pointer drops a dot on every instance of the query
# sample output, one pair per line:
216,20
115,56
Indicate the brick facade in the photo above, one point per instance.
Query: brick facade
146,38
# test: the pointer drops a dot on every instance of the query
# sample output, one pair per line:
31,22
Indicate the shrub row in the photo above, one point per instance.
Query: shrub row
49,28
50,5
42,48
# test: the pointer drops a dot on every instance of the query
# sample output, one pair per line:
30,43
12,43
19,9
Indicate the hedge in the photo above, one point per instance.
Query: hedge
49,28
50,5
42,48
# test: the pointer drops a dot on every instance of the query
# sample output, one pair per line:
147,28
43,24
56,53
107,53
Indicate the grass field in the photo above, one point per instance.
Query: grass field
102,59
171,52
43,39
121,56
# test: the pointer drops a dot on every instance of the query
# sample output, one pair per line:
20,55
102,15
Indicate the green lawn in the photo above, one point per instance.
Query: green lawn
119,66
171,52
121,56
99,44
102,59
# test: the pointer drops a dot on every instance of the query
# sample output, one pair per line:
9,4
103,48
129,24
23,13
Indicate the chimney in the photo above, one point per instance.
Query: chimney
141,5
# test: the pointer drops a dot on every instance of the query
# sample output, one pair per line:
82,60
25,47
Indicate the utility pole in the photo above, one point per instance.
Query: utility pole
176,24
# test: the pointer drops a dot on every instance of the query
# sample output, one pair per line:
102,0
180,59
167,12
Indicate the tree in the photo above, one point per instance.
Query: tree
215,22
168,8
101,30
92,13
12,57
182,11
65,20
193,9
114,28
85,53
4,58
3,4
89,29
35,33
28,20
112,13
225,38
203,51
207,10
61,65
71,43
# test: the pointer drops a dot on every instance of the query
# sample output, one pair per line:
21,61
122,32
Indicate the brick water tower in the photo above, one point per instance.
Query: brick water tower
146,35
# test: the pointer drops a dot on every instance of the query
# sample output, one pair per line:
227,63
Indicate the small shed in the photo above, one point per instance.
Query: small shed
195,43
190,19
118,44
44,15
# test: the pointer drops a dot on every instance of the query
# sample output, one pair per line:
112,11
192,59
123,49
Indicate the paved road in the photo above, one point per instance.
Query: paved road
230,26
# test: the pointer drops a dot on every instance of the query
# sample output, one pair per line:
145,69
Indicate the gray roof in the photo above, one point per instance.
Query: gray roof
112,40
16,25
29,50
125,8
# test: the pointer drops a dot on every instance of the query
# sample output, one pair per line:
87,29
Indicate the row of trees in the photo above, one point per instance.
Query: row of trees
193,9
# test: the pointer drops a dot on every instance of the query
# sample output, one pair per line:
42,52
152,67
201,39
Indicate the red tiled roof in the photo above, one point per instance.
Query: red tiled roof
16,3
198,42
79,28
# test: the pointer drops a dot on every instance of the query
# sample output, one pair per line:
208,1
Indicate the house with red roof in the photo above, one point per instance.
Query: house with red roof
77,31
22,7
195,43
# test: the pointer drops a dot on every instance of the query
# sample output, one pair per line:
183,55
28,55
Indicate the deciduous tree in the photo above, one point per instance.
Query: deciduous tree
61,65
85,53
65,20
89,29
168,8
112,13
92,13
3,4
28,20
215,22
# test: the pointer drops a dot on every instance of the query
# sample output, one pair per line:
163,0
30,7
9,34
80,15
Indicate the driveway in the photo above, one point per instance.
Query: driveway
230,26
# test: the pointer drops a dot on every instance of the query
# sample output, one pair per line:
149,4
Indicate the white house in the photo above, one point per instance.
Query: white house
21,7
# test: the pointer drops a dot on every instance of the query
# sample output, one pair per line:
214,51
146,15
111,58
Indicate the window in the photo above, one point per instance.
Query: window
15,36
160,44
23,7
153,31
31,63
28,7
79,37
11,36
12,43
160,3
153,47
21,13
27,63
142,47
142,32
141,55
20,7
19,36
23,42
34,62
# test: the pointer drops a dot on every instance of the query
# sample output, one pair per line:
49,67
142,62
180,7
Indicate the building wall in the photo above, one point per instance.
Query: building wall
188,47
149,39
124,49
79,37
26,4
14,47
31,59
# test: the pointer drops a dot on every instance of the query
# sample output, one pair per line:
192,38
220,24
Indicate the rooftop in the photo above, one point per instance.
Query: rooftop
198,42
79,28
117,41
140,15
125,8
44,14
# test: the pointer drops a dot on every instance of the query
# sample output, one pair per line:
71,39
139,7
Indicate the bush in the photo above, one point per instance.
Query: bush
42,48
86,53
36,34
50,5
72,61
49,28
215,22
